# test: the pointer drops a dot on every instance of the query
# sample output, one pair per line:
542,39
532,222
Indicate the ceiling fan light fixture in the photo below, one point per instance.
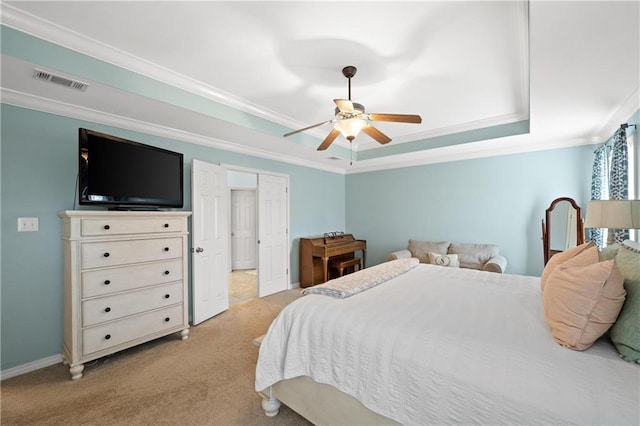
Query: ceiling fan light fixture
350,119
350,127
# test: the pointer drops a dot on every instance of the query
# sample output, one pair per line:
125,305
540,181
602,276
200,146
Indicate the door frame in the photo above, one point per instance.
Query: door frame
264,172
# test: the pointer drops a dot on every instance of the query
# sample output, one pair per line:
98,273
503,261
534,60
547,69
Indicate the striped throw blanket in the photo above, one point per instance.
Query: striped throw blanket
357,282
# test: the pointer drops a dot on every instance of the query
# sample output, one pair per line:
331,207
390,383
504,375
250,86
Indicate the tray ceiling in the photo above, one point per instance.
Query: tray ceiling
474,71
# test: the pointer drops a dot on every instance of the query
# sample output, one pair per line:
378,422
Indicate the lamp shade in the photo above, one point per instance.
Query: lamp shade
613,214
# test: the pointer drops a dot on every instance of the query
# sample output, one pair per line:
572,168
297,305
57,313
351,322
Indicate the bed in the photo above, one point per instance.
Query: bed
437,345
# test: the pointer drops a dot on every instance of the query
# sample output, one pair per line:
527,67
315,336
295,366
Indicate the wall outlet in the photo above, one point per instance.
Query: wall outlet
27,224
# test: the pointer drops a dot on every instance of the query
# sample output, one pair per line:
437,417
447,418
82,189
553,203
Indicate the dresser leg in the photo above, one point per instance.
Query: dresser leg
76,371
184,334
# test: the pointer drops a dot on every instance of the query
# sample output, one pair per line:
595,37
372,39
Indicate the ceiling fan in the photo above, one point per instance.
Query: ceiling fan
350,119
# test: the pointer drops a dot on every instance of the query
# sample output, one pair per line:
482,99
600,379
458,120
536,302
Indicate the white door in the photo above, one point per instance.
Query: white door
273,240
210,237
243,229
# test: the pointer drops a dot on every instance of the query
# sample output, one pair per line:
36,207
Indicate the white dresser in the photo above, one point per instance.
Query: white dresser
125,281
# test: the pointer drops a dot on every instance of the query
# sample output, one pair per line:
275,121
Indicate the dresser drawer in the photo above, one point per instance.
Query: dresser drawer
99,282
114,333
111,253
119,226
108,308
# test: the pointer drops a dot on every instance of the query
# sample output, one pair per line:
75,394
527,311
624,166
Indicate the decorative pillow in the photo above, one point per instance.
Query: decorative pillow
559,258
421,249
625,333
609,252
473,256
581,302
450,260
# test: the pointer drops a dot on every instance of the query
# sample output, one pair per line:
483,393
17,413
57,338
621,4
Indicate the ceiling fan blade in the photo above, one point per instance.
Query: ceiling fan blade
376,134
307,128
344,105
398,118
328,140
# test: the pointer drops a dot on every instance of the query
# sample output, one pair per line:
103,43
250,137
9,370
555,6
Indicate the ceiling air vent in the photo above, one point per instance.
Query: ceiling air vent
334,158
63,81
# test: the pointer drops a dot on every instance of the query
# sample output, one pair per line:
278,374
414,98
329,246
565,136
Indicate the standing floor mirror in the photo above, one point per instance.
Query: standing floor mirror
562,227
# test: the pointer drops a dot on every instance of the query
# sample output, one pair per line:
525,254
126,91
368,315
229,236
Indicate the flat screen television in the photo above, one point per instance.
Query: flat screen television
127,175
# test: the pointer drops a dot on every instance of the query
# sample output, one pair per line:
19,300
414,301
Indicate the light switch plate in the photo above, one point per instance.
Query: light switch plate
27,224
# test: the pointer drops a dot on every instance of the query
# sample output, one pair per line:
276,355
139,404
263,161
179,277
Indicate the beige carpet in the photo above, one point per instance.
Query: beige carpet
243,286
205,380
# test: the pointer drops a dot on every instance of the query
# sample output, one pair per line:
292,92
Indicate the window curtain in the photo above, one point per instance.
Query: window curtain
619,179
599,189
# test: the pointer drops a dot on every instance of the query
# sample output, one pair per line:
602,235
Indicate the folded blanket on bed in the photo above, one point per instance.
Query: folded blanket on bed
357,282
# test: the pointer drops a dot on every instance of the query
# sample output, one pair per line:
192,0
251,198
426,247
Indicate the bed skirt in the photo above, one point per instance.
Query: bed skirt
328,406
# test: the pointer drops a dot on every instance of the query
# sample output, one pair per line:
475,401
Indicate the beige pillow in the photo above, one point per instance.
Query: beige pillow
450,260
421,249
581,302
559,258
609,252
473,256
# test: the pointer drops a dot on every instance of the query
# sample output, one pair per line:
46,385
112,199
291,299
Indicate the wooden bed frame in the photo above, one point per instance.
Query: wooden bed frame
319,403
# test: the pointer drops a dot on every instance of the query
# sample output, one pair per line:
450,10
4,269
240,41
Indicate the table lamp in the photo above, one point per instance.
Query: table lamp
613,214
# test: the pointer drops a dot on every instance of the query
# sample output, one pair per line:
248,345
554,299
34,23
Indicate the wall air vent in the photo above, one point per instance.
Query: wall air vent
63,81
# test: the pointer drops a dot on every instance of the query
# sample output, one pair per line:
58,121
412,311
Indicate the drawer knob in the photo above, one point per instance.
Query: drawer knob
107,337
107,309
106,254
107,227
166,296
107,282
167,319
166,225
166,272
166,249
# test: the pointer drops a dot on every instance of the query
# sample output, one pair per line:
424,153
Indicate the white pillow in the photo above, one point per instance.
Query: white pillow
450,260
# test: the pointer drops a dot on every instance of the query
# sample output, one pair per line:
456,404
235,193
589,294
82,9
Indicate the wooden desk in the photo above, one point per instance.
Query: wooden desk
316,252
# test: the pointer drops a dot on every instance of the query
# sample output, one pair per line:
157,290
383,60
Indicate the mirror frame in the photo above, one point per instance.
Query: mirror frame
546,226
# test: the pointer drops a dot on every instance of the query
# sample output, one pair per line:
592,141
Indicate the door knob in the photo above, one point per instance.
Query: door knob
199,249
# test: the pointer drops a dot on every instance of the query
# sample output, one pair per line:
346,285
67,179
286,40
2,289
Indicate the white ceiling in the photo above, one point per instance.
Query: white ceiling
572,68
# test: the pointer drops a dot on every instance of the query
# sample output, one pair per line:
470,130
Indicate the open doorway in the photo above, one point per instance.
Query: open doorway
211,239
243,278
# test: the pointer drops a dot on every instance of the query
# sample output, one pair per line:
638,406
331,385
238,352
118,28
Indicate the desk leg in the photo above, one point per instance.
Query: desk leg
325,268
364,259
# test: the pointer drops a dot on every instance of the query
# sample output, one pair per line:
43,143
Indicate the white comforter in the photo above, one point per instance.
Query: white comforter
441,345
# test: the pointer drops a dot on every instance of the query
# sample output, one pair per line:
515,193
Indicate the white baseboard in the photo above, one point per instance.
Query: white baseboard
30,366
295,285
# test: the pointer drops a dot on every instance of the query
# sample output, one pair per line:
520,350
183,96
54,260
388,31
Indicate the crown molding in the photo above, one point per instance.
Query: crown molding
25,22
629,107
23,100
470,151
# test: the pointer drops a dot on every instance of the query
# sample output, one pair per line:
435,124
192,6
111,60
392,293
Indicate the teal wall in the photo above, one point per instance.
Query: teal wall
499,200
38,177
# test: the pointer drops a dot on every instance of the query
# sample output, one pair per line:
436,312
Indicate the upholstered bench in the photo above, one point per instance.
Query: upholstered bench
340,265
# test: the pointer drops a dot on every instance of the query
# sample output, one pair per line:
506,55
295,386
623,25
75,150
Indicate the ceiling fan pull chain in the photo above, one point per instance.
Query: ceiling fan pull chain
350,153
